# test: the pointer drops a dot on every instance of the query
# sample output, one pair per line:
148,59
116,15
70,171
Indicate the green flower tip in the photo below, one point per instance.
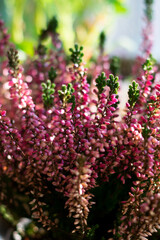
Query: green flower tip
101,82
113,84
48,89
149,63
66,94
76,54
133,93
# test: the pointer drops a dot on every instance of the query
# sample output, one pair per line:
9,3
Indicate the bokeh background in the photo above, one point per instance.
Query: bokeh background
81,21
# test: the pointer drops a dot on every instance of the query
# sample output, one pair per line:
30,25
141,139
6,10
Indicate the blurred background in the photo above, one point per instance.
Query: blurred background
81,21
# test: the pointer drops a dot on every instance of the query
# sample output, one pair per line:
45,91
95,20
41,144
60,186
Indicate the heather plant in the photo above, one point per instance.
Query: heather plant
146,46
69,161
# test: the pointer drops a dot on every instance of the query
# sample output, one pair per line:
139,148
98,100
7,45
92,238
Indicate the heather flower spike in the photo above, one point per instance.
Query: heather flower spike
101,82
48,90
113,84
102,40
76,54
51,28
53,24
148,9
133,93
52,74
115,65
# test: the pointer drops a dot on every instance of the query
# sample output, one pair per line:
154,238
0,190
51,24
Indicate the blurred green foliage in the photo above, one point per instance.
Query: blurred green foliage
79,20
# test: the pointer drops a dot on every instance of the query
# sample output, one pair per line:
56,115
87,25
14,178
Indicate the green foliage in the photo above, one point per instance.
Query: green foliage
102,40
133,93
66,94
52,74
48,91
76,54
101,82
113,84
115,65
